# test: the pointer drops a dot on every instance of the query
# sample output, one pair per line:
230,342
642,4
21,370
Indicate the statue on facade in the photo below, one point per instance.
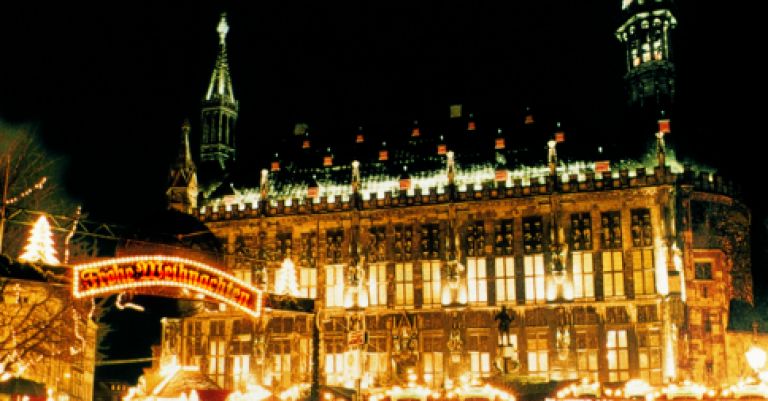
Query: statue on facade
505,320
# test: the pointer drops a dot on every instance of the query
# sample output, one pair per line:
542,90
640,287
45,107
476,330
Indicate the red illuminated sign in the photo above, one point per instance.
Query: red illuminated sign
135,273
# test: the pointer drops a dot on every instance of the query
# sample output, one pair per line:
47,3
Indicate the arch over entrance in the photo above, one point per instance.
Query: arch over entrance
148,273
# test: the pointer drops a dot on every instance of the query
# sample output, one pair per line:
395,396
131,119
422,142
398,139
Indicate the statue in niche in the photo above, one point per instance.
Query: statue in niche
505,321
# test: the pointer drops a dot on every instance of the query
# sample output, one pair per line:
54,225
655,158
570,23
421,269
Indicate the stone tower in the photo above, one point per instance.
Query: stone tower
219,111
645,32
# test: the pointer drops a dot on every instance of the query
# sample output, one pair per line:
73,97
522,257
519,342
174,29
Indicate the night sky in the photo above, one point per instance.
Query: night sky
107,84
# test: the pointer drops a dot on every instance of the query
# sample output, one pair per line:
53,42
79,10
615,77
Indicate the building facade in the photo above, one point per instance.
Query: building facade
46,339
424,269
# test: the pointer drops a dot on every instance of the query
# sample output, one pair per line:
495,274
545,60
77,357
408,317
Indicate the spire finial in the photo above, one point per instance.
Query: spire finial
222,28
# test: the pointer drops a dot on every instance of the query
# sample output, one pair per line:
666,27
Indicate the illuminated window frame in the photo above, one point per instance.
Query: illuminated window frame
613,274
505,279
617,354
377,284
477,281
535,278
583,275
334,286
430,276
643,272
404,287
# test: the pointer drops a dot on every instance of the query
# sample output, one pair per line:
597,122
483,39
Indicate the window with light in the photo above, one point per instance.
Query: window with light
430,275
334,286
477,281
404,285
533,267
377,284
617,353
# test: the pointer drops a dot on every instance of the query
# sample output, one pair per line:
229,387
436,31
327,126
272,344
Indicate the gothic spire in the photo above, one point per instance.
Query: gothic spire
220,86
219,114
182,190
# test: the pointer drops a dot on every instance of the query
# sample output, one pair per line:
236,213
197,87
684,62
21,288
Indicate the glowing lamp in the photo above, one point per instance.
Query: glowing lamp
756,357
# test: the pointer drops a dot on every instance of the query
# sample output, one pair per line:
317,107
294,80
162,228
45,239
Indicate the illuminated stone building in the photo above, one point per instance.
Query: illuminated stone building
433,262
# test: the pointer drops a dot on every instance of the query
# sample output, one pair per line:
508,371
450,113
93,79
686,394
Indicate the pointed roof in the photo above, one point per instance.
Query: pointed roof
184,167
220,87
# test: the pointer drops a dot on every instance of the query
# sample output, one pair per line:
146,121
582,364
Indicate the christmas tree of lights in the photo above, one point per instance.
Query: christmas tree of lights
39,246
286,282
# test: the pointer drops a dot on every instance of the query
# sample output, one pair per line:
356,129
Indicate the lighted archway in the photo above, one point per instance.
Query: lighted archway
145,272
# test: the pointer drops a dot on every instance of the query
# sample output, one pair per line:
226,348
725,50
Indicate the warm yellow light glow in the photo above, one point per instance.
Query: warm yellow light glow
670,368
112,276
462,295
286,282
638,388
662,277
40,247
756,357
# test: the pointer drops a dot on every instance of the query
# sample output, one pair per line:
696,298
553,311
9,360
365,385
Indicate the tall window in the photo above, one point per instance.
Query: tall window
613,262
649,354
308,282
333,246
404,285
642,271
402,246
217,351
503,238
430,275
642,232
334,286
475,239
586,354
280,352
613,274
377,244
430,241
432,358
533,235
334,362
505,278
538,355
583,275
610,230
377,284
534,278
618,355
477,281
581,231
308,254
479,357
376,361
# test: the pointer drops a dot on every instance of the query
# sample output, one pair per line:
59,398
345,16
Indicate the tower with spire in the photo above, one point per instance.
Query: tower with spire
645,32
182,190
219,111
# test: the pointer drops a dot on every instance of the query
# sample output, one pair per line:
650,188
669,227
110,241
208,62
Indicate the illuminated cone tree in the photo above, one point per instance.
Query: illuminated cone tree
39,246
286,282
